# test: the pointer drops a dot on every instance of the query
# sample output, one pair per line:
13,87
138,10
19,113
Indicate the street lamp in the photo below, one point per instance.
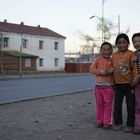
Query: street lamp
102,19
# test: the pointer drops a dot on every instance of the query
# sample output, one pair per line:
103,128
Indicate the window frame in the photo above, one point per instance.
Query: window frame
56,62
56,45
41,62
24,43
5,42
28,63
41,42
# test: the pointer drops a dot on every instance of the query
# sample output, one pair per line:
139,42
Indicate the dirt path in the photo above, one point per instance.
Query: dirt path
65,117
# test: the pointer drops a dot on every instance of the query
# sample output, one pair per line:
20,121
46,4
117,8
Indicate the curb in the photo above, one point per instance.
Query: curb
17,77
36,98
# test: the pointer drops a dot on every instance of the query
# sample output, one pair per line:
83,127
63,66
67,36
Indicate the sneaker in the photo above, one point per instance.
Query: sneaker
107,127
99,125
136,131
128,129
117,127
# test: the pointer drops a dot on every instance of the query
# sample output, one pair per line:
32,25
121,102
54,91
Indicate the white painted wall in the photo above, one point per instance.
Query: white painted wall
48,53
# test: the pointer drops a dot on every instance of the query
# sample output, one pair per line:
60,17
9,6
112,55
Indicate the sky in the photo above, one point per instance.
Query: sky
70,18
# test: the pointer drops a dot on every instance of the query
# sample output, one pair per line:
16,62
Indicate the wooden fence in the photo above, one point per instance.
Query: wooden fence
77,67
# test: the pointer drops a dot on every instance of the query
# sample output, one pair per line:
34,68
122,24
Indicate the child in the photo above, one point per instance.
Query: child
123,73
136,43
102,69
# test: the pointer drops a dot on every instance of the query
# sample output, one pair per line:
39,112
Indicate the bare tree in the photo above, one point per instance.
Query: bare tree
108,28
111,30
87,49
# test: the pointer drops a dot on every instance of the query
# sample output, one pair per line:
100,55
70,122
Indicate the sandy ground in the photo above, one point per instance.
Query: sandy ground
65,117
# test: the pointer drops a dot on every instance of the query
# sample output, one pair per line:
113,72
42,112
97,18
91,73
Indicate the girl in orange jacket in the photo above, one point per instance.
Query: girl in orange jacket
102,69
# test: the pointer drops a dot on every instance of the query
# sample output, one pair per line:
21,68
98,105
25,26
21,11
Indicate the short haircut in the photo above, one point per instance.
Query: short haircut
135,35
124,36
106,43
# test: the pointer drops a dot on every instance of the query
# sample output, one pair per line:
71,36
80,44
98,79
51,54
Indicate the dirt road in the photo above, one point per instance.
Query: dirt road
65,117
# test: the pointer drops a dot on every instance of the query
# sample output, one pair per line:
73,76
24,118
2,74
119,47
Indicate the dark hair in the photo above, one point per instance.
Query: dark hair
124,36
135,35
106,43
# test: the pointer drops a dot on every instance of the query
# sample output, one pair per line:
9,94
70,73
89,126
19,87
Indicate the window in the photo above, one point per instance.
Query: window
6,42
41,62
24,43
56,45
56,62
40,44
27,62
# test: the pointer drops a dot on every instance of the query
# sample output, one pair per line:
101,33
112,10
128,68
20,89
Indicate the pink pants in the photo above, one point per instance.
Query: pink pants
104,99
137,107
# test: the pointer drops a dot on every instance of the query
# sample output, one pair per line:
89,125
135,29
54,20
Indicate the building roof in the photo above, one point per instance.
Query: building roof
18,54
25,29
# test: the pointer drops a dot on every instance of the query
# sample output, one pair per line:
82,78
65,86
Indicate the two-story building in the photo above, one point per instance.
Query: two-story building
39,41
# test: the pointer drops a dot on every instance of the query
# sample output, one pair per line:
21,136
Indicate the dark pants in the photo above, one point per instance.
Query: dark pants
122,90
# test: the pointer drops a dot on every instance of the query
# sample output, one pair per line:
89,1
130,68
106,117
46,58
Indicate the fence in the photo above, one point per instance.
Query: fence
77,67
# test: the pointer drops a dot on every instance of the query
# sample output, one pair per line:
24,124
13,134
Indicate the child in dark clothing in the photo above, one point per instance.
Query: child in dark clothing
136,43
123,76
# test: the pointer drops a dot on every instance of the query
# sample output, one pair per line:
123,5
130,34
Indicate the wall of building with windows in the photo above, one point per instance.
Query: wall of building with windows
49,49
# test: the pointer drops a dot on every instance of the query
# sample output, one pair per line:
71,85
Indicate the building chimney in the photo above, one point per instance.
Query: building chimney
38,26
5,20
22,23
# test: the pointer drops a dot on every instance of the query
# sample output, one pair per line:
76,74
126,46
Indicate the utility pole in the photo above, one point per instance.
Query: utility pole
103,32
20,59
1,54
118,24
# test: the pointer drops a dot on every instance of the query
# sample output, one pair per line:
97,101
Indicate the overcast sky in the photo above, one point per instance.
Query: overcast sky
69,17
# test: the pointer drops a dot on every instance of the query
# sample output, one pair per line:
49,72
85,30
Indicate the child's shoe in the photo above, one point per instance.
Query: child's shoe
99,125
107,127
136,131
117,127
128,129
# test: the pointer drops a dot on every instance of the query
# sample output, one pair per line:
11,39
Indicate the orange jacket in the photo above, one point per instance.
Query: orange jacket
123,72
97,66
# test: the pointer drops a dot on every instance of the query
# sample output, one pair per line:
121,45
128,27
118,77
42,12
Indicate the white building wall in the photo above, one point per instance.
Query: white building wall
48,53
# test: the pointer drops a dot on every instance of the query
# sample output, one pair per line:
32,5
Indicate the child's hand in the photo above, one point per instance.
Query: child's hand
106,72
103,72
110,71
135,81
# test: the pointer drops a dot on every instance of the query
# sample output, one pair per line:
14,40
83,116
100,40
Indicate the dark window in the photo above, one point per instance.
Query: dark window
40,44
6,42
24,43
41,62
56,62
56,45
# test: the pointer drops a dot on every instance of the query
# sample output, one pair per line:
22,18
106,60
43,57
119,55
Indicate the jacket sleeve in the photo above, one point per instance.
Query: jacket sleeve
94,69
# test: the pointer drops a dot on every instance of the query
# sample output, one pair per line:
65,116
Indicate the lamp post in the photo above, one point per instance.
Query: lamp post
118,24
20,59
102,20
102,28
1,54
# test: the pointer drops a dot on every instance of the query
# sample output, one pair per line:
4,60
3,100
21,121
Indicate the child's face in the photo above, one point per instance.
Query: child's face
122,44
106,51
136,42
